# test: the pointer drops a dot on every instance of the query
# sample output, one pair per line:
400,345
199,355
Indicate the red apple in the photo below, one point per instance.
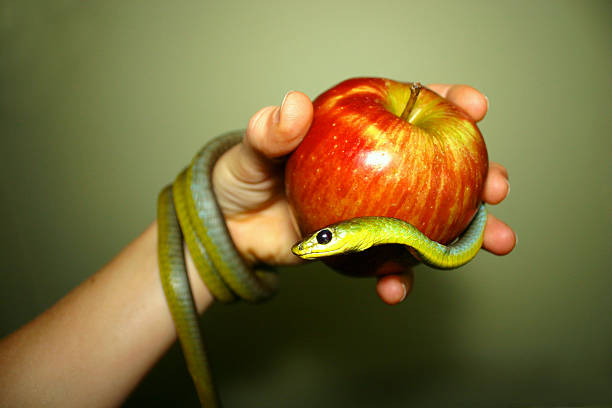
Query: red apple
386,148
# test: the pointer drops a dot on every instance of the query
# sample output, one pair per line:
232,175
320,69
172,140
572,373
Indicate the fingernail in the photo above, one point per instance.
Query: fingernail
405,292
487,98
285,99
277,115
508,183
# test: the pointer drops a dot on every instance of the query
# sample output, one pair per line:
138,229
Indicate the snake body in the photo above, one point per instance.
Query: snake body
188,214
359,234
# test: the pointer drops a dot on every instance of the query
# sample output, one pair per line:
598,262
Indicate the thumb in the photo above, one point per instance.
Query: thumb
246,175
275,131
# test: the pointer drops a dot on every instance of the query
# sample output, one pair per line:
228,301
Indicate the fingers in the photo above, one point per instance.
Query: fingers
393,289
496,186
499,238
464,96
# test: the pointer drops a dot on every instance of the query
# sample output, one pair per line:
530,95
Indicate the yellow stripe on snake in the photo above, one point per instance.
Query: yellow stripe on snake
188,213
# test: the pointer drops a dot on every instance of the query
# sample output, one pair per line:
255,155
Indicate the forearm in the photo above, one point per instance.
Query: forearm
95,345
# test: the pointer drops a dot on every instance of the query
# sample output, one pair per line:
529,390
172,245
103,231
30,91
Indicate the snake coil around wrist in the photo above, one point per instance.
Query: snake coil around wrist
188,212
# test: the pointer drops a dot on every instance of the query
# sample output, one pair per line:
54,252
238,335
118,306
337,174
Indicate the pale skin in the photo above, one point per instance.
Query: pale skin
94,346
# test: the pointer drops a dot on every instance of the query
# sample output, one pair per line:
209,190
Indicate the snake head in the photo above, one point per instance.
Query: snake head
343,237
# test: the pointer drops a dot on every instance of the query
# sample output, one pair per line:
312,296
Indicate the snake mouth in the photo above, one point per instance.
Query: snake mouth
309,253
303,252
297,249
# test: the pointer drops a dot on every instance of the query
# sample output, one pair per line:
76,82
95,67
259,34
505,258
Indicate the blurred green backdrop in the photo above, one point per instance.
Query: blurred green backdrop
102,102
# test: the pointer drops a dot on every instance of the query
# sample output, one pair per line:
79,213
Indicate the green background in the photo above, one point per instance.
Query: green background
102,102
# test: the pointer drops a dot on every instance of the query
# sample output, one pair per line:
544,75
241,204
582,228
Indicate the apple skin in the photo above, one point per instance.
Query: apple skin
361,158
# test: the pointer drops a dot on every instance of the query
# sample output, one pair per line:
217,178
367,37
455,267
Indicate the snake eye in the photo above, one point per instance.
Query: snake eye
324,236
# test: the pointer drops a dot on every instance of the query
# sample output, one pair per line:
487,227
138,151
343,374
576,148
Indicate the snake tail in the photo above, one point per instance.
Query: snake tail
177,290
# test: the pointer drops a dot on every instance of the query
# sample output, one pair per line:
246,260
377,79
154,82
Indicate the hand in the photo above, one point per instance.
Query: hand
248,181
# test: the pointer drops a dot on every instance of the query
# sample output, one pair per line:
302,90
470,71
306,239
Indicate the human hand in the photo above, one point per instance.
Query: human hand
248,182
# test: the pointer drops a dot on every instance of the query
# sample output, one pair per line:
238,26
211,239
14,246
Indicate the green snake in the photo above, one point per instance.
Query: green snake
188,214
359,234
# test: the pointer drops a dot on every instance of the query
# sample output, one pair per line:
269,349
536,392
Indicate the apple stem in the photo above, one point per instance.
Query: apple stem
415,89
